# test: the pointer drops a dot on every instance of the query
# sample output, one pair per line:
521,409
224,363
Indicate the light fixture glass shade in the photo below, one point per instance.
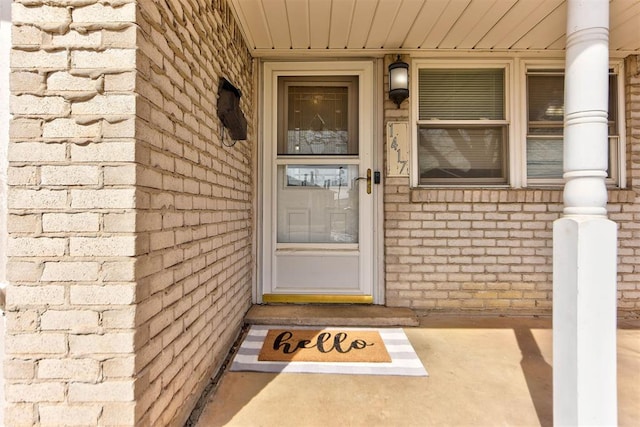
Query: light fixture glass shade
398,81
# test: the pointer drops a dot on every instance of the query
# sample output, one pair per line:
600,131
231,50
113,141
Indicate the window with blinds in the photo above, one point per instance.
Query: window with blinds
545,115
545,127
462,126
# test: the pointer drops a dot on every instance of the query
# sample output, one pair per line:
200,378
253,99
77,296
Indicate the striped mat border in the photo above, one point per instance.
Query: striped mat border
404,360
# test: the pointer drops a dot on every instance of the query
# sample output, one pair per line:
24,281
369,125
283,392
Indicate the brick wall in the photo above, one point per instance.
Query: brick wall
490,250
129,223
72,243
194,199
628,215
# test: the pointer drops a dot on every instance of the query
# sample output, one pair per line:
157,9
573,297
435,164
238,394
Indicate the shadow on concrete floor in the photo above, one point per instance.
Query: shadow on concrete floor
483,371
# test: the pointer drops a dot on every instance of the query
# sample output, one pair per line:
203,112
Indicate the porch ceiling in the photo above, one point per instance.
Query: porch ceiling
330,27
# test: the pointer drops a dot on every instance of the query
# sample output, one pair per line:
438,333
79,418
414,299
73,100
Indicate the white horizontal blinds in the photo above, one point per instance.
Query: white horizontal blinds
462,132
545,114
614,134
461,94
546,103
613,104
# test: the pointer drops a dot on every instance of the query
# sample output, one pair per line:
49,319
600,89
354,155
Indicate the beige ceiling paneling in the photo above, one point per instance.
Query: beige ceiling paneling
549,30
486,20
423,24
467,21
446,22
533,19
298,18
625,36
361,24
513,22
319,23
341,16
623,10
402,23
558,44
383,21
330,27
625,25
278,23
252,17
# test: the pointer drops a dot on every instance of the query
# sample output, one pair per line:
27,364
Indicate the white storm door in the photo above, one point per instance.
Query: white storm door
318,192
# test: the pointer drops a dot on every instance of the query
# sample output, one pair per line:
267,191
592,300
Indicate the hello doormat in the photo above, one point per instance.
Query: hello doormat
329,345
365,351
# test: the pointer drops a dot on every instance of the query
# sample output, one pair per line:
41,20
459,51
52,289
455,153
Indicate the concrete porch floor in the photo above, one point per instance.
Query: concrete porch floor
483,371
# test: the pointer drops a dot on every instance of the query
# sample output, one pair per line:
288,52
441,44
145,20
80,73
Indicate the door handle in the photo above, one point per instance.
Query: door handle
368,178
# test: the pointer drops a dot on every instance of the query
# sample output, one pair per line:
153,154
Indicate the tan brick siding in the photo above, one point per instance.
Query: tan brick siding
69,269
628,215
194,203
130,224
490,250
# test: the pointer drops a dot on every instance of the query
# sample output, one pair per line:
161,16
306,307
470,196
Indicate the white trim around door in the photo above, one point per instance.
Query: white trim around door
313,247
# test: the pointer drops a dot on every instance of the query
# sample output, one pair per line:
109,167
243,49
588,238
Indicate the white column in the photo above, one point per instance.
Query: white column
584,240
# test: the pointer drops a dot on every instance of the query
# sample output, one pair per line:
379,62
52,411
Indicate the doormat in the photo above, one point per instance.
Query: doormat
327,345
402,359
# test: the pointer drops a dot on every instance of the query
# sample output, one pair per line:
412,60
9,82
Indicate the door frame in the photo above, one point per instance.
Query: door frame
371,74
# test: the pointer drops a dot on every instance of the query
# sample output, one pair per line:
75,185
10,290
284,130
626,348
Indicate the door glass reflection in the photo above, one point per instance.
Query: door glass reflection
317,204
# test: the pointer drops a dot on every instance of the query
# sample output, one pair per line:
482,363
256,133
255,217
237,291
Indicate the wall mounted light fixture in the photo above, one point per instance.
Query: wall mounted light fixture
229,111
398,81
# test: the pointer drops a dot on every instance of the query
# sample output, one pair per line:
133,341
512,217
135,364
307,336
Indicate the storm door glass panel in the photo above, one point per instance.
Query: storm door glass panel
318,117
317,204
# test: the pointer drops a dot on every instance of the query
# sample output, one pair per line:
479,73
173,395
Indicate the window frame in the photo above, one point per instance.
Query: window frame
507,66
516,109
617,143
542,68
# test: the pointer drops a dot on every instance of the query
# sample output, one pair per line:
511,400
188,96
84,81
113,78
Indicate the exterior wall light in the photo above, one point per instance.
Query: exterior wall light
398,81
229,112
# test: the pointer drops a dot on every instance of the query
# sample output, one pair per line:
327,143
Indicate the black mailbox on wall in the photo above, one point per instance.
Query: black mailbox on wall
229,110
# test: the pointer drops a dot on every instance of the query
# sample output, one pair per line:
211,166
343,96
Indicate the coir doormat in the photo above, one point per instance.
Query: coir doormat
309,345
333,350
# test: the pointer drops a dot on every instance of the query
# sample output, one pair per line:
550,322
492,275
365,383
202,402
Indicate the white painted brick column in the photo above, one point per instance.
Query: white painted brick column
5,48
584,253
72,243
